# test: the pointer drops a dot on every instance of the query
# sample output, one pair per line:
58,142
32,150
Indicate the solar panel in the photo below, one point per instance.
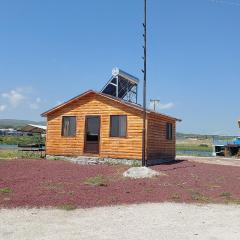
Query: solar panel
122,85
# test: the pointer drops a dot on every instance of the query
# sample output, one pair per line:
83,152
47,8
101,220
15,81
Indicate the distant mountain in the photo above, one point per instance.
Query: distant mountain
14,123
181,136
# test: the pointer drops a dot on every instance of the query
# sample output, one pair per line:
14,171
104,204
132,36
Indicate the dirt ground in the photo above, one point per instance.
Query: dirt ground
165,221
43,183
212,160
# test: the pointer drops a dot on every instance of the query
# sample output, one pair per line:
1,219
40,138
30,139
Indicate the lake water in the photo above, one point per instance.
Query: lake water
195,153
7,147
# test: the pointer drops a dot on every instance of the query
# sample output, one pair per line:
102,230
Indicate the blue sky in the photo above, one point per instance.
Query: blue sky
52,50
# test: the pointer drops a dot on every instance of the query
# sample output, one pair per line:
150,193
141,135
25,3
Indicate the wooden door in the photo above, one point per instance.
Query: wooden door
92,134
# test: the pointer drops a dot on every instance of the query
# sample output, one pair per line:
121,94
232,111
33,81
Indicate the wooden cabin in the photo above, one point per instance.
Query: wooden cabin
97,124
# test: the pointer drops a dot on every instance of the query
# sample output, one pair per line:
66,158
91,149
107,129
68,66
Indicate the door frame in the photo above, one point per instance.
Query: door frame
99,134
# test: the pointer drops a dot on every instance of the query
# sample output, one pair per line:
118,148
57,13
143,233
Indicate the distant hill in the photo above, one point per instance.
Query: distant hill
14,123
181,136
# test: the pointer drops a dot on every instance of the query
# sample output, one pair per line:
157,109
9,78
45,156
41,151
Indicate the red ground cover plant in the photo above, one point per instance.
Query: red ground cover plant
43,183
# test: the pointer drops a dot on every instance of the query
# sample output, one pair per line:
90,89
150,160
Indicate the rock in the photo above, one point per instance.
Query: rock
141,172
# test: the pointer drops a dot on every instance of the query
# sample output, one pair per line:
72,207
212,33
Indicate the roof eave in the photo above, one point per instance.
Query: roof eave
45,114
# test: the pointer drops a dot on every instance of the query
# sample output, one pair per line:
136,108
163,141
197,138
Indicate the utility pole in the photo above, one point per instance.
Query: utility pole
155,102
144,161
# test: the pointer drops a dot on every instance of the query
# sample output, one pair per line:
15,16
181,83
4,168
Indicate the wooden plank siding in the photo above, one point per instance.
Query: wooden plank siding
158,146
129,147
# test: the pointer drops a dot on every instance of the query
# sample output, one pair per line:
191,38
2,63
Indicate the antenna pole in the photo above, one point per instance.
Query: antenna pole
155,103
144,161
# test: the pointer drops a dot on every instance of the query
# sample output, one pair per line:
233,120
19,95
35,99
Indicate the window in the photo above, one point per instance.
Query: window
118,126
68,126
169,131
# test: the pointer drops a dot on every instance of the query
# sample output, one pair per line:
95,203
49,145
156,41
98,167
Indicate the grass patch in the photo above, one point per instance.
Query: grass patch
229,199
227,195
149,189
6,190
10,154
235,201
175,197
67,207
197,196
213,186
14,140
136,164
232,201
99,181
52,185
194,147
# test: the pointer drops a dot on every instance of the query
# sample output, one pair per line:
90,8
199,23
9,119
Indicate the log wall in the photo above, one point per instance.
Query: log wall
130,147
158,146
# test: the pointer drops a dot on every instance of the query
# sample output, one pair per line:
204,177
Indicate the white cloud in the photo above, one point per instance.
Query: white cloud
15,97
33,106
165,106
2,108
36,104
162,106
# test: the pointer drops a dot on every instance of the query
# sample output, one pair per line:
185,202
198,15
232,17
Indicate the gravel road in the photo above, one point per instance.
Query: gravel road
212,160
161,221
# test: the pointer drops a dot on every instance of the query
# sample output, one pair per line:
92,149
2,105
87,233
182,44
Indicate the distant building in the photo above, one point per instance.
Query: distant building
11,132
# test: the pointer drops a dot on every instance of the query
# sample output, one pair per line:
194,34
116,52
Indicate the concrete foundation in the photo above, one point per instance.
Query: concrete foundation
86,160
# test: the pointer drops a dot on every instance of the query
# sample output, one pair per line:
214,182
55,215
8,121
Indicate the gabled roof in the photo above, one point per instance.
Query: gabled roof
121,101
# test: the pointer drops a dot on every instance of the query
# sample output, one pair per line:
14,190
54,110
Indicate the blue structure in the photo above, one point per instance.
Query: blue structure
237,141
227,147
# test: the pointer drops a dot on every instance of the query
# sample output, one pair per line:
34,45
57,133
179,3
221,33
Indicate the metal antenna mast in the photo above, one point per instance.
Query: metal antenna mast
155,102
144,160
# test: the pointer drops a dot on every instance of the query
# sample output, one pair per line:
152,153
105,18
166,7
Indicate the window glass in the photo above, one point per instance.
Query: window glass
118,126
69,126
169,131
